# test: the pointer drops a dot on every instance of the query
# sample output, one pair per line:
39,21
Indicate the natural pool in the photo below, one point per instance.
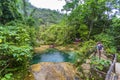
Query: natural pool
53,55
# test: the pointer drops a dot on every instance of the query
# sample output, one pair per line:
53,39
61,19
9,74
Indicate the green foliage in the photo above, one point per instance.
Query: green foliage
7,77
13,35
92,14
14,48
100,64
83,31
118,57
70,5
87,47
61,33
8,11
30,21
116,30
58,34
30,30
116,24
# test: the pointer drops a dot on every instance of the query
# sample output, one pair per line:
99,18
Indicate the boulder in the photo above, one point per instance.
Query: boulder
54,71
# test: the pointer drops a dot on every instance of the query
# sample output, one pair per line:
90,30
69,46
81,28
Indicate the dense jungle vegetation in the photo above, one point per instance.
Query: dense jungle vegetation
23,27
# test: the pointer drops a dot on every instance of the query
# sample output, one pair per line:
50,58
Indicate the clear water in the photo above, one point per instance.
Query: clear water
53,55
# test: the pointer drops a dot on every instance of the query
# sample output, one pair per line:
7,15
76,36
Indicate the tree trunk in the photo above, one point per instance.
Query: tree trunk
91,28
24,8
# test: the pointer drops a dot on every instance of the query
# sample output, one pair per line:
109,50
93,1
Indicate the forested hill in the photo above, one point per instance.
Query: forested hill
44,16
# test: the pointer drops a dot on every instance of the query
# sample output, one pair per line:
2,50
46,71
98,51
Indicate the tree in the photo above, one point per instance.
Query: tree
9,11
116,30
92,14
71,5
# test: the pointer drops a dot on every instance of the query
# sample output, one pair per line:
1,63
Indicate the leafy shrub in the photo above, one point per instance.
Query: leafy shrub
86,49
100,64
31,31
7,77
83,31
58,34
87,46
115,31
15,50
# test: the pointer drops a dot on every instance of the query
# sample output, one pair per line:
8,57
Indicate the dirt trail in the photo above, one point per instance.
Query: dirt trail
70,47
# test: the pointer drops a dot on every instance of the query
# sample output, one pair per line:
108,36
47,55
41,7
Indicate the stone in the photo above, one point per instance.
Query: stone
54,71
117,68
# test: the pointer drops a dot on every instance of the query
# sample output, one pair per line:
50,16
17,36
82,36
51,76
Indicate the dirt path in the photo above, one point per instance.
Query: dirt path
70,47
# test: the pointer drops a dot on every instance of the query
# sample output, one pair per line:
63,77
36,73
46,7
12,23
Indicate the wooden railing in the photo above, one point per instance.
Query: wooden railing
111,74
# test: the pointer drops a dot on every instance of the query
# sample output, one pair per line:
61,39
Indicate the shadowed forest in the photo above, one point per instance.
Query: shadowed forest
25,30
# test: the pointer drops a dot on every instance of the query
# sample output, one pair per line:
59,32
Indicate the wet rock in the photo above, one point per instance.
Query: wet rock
117,68
54,71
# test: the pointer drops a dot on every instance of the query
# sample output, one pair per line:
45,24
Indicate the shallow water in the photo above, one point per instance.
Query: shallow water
53,56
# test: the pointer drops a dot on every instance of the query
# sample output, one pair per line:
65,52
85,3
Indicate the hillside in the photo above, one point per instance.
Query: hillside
44,16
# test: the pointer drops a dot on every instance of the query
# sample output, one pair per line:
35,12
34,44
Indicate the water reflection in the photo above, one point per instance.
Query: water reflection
53,56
